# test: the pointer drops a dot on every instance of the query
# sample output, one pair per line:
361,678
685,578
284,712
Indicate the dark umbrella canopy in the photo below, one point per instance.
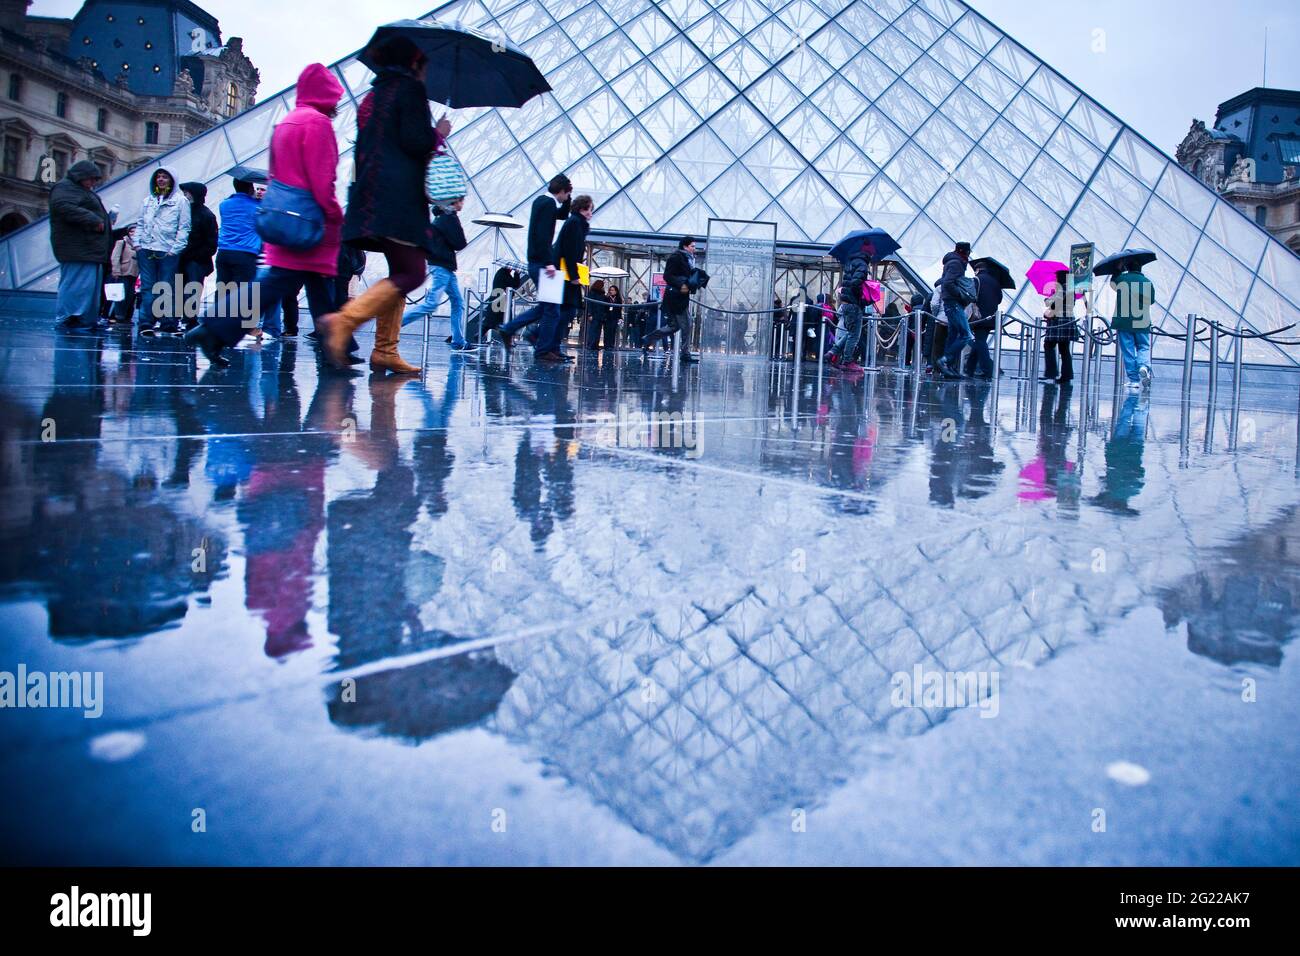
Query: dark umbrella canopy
249,174
1110,265
466,68
997,269
881,244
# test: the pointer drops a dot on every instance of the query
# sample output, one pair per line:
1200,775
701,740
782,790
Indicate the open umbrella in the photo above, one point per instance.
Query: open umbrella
880,244
1110,265
1000,272
249,174
1042,276
466,67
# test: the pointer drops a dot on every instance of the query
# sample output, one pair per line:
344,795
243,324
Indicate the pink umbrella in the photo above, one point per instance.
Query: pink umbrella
1042,275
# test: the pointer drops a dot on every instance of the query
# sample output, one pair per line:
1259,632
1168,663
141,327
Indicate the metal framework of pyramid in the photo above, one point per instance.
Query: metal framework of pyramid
819,115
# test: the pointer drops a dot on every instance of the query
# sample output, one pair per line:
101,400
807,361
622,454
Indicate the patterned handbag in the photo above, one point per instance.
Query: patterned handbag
444,179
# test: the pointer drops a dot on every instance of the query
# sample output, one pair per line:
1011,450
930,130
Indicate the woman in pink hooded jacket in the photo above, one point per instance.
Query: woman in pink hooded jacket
305,154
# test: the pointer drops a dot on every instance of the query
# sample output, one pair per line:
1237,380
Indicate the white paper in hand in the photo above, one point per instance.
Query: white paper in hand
550,288
115,292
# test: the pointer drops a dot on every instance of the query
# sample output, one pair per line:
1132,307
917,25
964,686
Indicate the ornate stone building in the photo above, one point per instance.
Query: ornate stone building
1251,157
172,78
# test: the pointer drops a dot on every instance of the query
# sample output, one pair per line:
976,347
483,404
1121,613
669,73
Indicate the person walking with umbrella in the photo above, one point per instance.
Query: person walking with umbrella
1060,331
1134,296
956,293
387,209
854,301
990,279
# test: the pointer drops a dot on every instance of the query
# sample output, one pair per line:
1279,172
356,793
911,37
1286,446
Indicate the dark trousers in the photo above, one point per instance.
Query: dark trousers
122,311
1065,373
278,285
673,322
979,361
193,272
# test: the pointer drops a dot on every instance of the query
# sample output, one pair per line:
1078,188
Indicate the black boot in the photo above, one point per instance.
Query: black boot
686,358
206,341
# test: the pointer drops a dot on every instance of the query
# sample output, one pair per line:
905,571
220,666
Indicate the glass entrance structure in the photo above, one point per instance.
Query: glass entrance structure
821,116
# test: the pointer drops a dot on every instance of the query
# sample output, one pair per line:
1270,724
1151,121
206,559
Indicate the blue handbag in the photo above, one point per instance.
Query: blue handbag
290,217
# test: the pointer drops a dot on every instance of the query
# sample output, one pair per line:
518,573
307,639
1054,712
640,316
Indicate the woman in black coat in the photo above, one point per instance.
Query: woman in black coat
599,316
387,209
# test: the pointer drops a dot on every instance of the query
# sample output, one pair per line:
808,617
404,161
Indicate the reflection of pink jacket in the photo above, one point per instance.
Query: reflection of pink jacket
305,153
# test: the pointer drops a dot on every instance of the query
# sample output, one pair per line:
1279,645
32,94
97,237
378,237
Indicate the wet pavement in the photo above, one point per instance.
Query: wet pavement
614,613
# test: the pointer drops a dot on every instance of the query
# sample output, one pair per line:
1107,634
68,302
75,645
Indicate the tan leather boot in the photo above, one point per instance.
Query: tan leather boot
378,300
388,328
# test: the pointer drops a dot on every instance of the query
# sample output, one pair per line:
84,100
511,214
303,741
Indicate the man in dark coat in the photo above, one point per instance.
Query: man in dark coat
569,251
954,270
196,259
677,299
853,301
979,363
547,210
81,235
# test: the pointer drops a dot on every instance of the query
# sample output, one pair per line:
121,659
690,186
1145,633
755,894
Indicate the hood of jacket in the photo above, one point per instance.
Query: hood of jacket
318,88
170,174
197,190
84,169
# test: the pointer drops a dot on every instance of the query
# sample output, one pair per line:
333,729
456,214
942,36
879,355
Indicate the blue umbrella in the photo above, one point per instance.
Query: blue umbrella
881,244
1110,265
466,67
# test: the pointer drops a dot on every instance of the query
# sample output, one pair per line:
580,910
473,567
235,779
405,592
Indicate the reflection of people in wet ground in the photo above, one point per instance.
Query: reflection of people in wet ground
378,582
543,490
1050,475
1243,603
103,547
962,459
1125,475
853,444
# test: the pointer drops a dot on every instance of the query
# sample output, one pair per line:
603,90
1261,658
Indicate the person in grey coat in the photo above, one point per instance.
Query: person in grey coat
81,235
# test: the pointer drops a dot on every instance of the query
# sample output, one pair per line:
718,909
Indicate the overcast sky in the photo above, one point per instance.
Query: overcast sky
1164,61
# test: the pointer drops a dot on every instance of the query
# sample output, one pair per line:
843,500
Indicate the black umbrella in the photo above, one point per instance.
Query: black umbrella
999,271
1110,265
466,67
248,174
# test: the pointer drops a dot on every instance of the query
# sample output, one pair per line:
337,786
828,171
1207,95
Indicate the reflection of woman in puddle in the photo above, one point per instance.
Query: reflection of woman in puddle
1050,475
1125,475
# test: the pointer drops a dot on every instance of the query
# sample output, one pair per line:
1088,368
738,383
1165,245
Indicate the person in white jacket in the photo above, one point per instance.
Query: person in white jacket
161,233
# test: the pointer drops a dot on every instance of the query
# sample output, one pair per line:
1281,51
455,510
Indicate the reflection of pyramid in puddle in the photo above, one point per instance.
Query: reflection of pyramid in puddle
819,115
694,726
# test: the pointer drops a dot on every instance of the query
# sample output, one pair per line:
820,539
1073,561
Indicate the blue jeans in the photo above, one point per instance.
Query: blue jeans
443,282
847,343
1135,348
273,286
554,328
157,267
79,284
543,310
958,334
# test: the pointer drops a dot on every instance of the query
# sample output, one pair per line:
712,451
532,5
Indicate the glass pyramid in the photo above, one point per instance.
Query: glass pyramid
819,115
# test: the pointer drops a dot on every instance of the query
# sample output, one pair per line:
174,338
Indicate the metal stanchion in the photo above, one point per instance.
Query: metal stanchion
1036,351
900,340
1238,349
424,350
1086,361
1214,362
918,328
798,365
997,344
1189,351
870,352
